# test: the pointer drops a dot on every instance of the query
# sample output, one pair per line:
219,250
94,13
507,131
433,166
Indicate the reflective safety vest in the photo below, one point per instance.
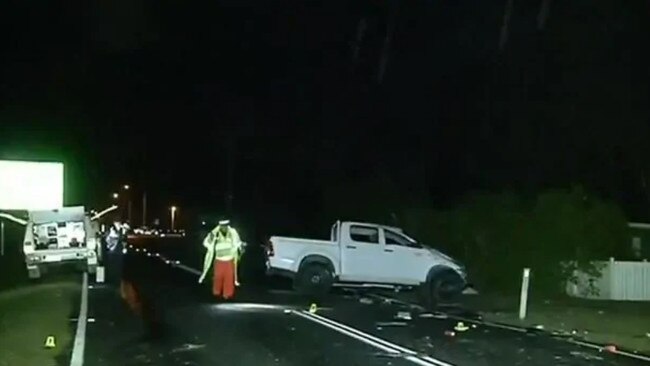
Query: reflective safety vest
219,247
226,246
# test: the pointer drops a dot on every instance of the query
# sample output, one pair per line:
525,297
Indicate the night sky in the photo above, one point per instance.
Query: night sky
290,98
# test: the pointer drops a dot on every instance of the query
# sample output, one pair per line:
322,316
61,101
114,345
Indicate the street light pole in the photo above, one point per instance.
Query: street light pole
129,205
173,214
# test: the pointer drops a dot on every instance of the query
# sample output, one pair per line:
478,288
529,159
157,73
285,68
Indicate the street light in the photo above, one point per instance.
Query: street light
126,187
173,210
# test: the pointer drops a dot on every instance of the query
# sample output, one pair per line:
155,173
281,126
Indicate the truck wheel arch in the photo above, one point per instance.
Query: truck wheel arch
438,270
317,259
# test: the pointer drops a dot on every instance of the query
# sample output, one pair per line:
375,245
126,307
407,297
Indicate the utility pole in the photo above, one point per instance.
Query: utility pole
505,26
129,209
229,178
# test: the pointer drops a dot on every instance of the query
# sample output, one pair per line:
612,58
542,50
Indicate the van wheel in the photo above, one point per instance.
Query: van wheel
314,279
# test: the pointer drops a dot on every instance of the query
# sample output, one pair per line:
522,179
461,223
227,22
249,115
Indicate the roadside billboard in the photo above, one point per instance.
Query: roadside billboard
26,185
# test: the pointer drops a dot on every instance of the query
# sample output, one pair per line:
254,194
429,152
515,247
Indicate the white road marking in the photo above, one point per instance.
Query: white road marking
79,345
379,343
188,269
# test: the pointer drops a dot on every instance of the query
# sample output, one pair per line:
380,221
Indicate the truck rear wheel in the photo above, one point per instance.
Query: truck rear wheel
314,279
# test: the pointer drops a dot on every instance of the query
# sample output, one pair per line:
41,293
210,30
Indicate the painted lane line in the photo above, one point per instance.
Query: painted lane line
79,345
363,334
367,341
372,340
188,269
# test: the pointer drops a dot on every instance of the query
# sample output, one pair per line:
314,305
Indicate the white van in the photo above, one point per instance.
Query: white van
60,237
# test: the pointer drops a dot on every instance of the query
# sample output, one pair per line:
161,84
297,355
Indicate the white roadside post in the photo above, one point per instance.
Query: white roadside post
2,238
523,300
99,274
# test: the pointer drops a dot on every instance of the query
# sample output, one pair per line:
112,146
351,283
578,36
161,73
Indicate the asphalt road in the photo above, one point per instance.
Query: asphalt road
269,325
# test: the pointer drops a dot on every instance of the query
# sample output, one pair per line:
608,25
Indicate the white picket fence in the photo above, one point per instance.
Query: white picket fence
620,280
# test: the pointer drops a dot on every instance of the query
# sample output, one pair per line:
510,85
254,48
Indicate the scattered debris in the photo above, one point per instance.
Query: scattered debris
188,347
287,311
388,355
470,291
539,327
91,320
392,324
434,315
461,327
474,326
610,348
366,301
450,333
403,315
647,335
586,356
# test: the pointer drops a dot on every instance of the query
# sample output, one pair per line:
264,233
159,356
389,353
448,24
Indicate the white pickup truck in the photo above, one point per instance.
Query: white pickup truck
369,254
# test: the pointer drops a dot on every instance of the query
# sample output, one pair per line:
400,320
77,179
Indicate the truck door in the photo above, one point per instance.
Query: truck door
362,255
409,261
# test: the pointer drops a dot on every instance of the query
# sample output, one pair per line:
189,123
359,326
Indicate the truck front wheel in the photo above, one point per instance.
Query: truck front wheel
313,279
443,288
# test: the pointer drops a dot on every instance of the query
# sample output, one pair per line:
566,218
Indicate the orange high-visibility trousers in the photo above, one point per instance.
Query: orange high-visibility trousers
131,296
224,279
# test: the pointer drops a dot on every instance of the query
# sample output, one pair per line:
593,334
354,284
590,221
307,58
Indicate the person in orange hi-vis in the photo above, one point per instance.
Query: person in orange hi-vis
222,248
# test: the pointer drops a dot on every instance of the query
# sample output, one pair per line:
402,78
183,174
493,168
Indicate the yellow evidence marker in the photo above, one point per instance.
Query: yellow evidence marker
313,308
49,342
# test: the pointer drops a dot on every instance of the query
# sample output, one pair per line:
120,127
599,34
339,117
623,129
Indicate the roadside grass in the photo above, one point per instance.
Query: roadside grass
621,323
31,313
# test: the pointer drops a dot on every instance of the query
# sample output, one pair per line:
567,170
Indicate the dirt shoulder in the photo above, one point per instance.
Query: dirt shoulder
31,313
624,324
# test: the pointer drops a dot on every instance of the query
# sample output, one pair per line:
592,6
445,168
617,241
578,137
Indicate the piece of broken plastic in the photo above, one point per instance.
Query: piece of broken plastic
403,315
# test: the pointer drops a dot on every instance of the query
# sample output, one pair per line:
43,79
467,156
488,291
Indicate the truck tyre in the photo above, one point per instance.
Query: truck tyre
441,288
34,273
314,279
